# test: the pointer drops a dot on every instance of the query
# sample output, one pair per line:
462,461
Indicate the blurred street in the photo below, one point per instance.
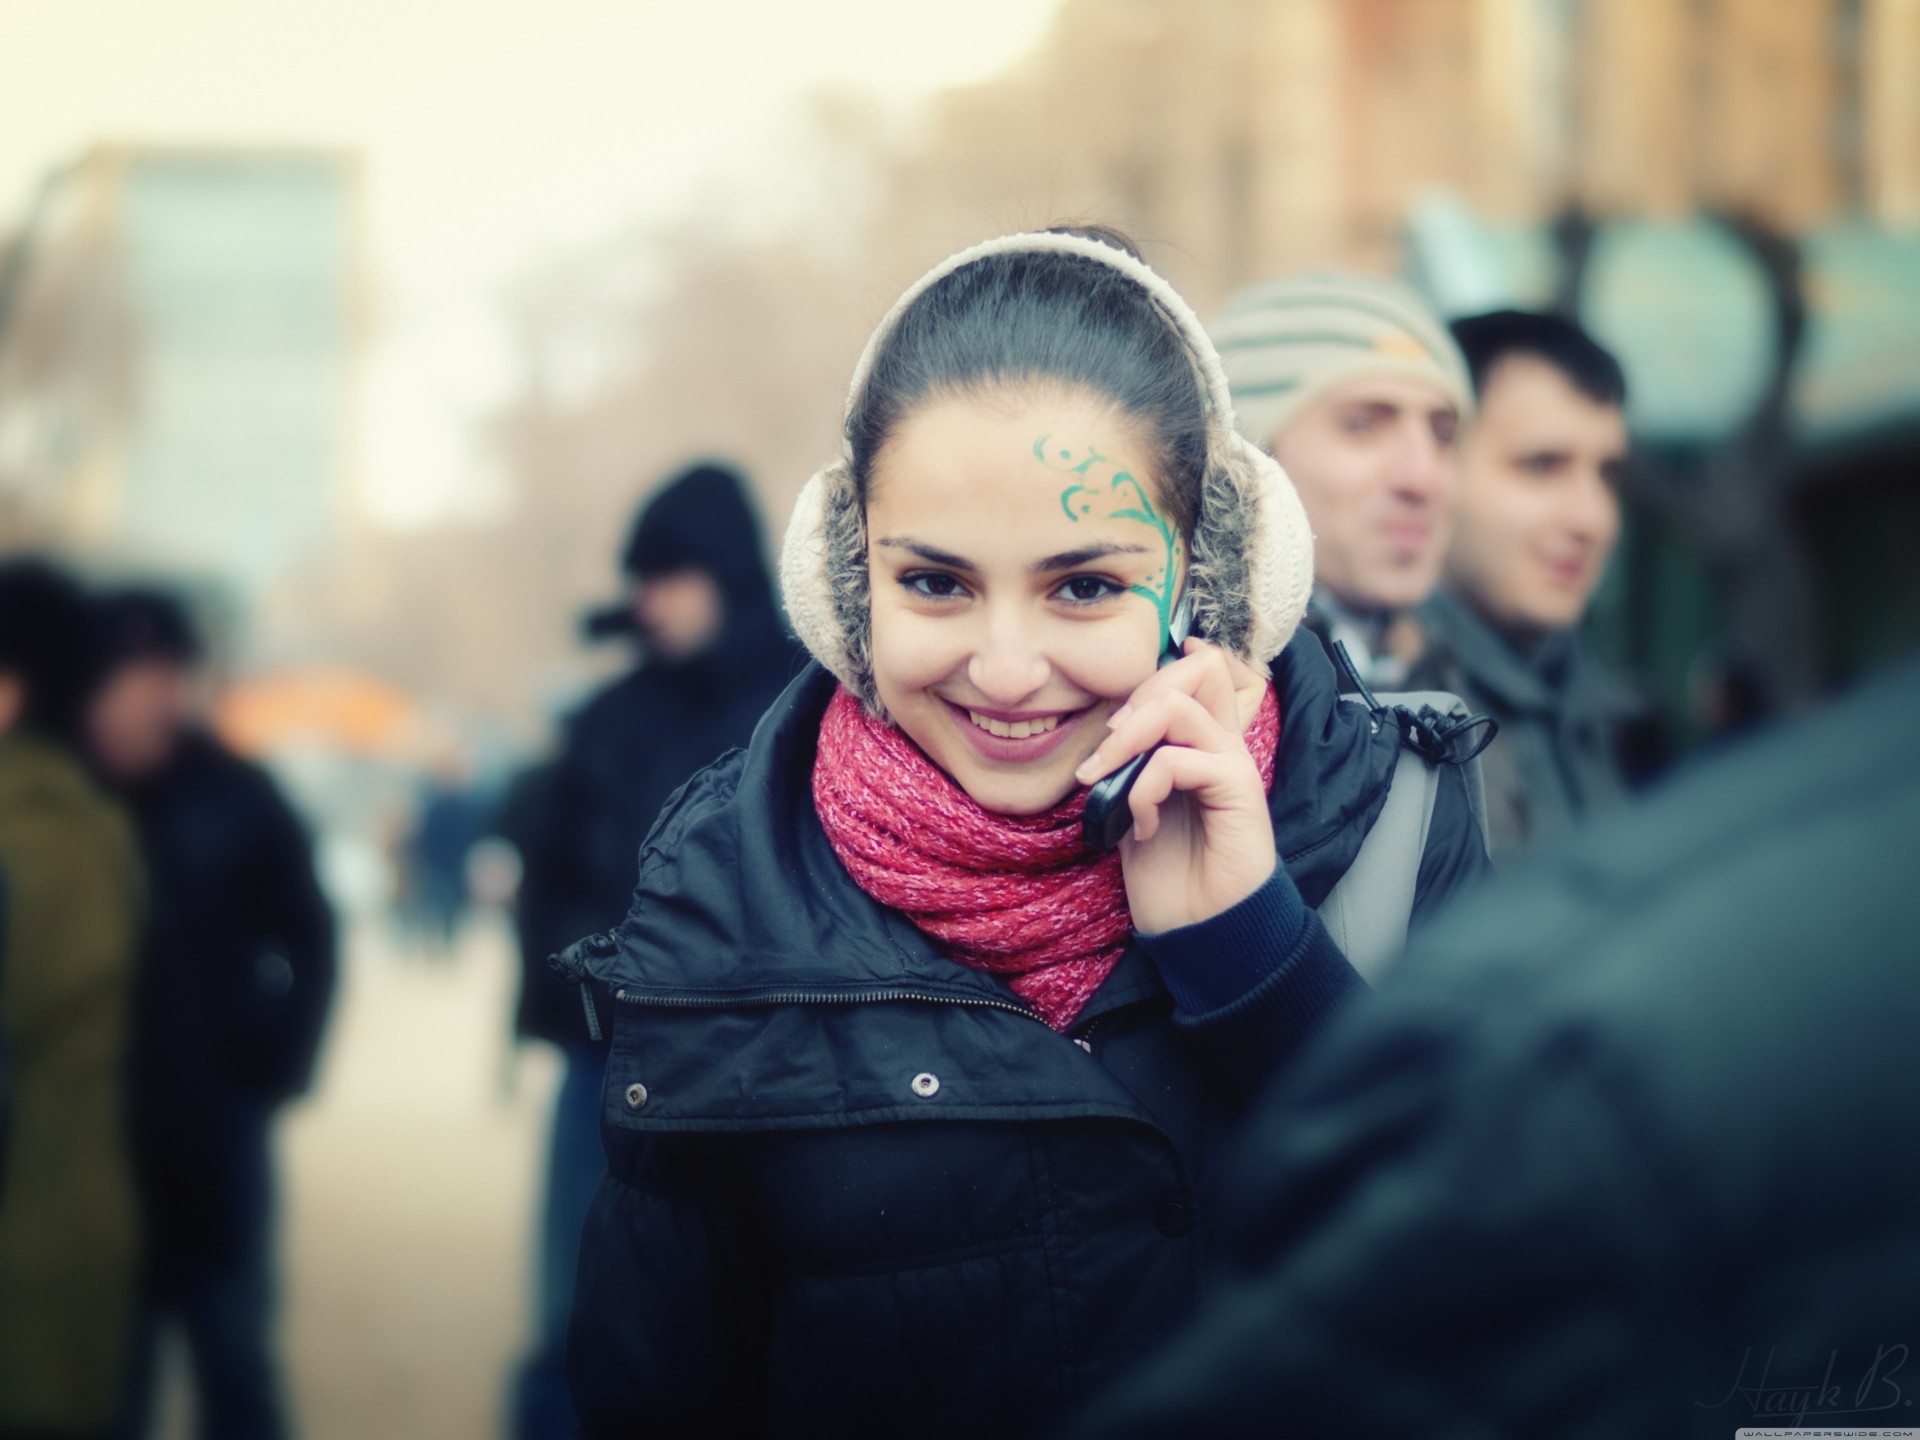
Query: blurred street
411,1179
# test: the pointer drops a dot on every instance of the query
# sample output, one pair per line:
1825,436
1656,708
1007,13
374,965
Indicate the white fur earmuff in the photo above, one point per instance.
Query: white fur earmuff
1252,550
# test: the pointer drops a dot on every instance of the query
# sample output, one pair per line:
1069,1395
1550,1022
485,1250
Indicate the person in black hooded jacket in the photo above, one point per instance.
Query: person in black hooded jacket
915,1088
715,655
236,976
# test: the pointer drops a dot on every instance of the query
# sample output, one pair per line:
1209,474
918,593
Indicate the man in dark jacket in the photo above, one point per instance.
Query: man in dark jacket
1538,517
1623,1148
236,975
715,654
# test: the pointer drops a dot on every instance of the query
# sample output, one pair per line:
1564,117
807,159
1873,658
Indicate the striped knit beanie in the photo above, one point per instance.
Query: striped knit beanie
1285,341
1252,549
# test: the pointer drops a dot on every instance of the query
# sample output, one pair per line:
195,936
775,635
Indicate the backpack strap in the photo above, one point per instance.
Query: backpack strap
1369,909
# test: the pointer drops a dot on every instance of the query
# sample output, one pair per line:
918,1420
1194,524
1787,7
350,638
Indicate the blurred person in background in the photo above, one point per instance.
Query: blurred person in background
714,654
1623,1148
236,974
1726,696
1353,384
1539,511
69,870
449,822
915,1090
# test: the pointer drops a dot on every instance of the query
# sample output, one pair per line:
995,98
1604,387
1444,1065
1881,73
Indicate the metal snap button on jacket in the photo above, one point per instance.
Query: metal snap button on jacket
926,1085
636,1095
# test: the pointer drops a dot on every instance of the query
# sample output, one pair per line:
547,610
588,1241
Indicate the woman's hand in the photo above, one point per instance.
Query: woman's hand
1202,840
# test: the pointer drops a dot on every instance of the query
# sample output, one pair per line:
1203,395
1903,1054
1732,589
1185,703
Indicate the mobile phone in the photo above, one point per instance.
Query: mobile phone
1108,816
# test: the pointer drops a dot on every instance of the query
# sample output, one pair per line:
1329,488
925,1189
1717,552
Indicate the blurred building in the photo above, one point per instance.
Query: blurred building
179,338
1726,191
1247,137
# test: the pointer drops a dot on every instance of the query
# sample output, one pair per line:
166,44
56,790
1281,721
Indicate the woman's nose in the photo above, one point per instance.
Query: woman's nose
1008,663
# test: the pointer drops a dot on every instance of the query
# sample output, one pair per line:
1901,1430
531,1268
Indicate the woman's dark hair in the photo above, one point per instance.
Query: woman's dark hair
47,642
1039,317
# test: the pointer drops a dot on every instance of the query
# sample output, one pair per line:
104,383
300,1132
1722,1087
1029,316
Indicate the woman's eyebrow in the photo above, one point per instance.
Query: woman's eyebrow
1085,555
1065,560
933,555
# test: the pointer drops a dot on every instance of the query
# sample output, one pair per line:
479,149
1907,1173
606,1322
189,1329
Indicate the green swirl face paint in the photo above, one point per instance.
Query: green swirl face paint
1101,484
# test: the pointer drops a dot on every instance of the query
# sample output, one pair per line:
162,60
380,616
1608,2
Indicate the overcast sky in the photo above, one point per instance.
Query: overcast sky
496,132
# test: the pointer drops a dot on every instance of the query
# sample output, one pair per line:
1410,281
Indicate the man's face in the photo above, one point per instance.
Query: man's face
135,720
1374,464
1539,512
680,612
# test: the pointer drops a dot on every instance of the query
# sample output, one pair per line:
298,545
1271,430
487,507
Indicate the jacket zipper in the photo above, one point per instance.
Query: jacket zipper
1085,1038
802,997
575,961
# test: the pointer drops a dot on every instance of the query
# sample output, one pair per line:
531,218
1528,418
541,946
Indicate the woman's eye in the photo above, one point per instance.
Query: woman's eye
933,585
1086,589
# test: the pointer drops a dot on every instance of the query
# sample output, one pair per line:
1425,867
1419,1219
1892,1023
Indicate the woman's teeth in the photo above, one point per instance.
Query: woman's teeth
1017,730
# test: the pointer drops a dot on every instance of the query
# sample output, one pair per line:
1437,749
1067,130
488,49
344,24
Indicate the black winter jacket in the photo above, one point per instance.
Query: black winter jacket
579,820
1623,1148
236,976
856,1188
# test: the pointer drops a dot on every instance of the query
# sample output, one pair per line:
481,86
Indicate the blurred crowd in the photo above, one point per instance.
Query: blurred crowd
168,961
167,954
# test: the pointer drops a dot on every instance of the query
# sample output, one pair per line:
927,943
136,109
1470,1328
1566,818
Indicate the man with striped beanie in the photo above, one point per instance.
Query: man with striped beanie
1354,385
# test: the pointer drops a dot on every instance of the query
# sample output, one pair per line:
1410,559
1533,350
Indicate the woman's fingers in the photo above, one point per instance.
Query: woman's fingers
1171,718
1248,686
1211,779
1208,674
1202,673
1201,838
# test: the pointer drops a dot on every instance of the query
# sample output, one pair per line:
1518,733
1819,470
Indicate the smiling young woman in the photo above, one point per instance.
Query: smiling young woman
915,1101
1002,649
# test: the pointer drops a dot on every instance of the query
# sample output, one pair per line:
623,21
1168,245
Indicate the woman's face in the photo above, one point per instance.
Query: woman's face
1022,569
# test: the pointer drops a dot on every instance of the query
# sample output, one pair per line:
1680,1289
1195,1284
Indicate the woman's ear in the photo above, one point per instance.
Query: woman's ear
1252,570
823,577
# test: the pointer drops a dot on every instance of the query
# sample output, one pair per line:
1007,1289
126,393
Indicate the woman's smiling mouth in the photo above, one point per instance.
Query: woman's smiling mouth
1017,730
1019,739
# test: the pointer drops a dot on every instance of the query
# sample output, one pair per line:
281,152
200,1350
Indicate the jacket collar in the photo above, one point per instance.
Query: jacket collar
1511,680
739,866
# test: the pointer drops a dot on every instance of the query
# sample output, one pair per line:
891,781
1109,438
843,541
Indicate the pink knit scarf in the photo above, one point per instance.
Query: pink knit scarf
1018,895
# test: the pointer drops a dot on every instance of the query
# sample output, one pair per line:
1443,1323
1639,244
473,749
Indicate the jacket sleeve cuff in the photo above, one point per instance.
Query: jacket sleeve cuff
1209,965
1252,1038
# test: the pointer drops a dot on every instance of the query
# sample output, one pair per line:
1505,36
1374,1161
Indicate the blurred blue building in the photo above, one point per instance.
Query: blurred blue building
1774,383
179,339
